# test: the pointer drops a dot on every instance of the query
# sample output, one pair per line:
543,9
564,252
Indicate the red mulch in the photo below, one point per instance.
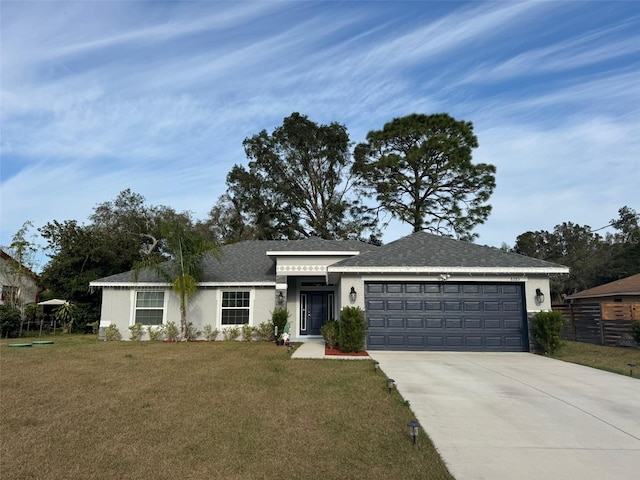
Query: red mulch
335,351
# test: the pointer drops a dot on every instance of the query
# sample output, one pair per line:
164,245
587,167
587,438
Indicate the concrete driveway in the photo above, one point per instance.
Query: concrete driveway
521,416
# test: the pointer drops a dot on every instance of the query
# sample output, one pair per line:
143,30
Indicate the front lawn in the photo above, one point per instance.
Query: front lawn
82,409
612,359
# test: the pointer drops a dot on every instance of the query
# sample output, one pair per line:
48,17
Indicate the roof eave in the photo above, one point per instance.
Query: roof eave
444,269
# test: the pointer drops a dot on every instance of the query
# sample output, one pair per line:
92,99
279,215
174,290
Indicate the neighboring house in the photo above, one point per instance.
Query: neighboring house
625,290
421,292
17,282
604,314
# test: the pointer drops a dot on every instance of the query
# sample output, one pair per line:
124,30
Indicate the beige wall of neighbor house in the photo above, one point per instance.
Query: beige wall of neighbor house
16,280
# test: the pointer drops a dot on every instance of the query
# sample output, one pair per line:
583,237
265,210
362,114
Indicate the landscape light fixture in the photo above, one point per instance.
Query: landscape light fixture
414,428
631,365
353,295
390,384
539,296
280,298
376,364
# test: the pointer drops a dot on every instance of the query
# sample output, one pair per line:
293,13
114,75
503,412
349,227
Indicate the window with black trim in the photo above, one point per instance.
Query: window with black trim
149,308
235,308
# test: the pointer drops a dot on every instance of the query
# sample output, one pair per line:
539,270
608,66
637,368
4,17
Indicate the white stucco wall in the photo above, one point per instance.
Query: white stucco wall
118,307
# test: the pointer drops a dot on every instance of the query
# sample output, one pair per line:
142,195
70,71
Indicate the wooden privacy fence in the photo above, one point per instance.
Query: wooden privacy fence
602,324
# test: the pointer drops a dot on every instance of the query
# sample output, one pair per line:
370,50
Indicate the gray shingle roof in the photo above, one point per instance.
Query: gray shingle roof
423,249
247,262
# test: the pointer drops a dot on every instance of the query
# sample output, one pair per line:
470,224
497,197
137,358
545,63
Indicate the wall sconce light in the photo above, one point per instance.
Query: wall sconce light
390,384
539,296
280,298
414,429
353,295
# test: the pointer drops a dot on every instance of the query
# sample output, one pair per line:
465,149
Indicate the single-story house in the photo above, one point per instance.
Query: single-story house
18,284
625,290
421,292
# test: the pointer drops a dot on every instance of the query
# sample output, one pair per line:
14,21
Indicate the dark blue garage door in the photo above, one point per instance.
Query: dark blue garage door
446,316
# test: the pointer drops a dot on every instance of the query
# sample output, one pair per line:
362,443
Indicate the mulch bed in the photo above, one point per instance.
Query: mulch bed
335,351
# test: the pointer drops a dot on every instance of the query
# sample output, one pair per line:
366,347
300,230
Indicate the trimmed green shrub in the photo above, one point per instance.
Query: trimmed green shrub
210,333
280,318
635,331
155,332
192,332
352,330
172,331
111,333
547,330
329,332
247,333
265,331
231,333
136,332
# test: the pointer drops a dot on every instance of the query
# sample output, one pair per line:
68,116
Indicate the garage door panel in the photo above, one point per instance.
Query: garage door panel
512,324
435,341
472,306
473,323
473,342
415,323
394,288
445,316
396,340
415,341
511,289
413,305
511,306
488,289
433,306
492,324
395,305
513,341
453,323
374,305
375,322
452,306
395,322
488,306
435,323
451,288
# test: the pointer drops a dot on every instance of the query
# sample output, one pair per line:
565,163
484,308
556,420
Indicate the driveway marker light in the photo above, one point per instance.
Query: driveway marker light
376,364
414,428
289,347
631,365
390,384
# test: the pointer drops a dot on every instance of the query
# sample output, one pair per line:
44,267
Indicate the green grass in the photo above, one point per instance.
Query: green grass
612,359
83,409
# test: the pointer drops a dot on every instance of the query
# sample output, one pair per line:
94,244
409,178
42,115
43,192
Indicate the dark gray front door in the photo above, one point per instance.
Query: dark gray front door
446,316
314,312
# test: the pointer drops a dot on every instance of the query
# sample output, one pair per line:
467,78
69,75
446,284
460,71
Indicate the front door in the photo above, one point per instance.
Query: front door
314,311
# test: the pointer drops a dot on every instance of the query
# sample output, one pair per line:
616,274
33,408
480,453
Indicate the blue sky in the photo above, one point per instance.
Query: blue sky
158,96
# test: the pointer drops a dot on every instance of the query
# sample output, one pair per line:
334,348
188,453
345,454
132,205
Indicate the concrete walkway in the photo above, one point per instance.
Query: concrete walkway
521,416
314,348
